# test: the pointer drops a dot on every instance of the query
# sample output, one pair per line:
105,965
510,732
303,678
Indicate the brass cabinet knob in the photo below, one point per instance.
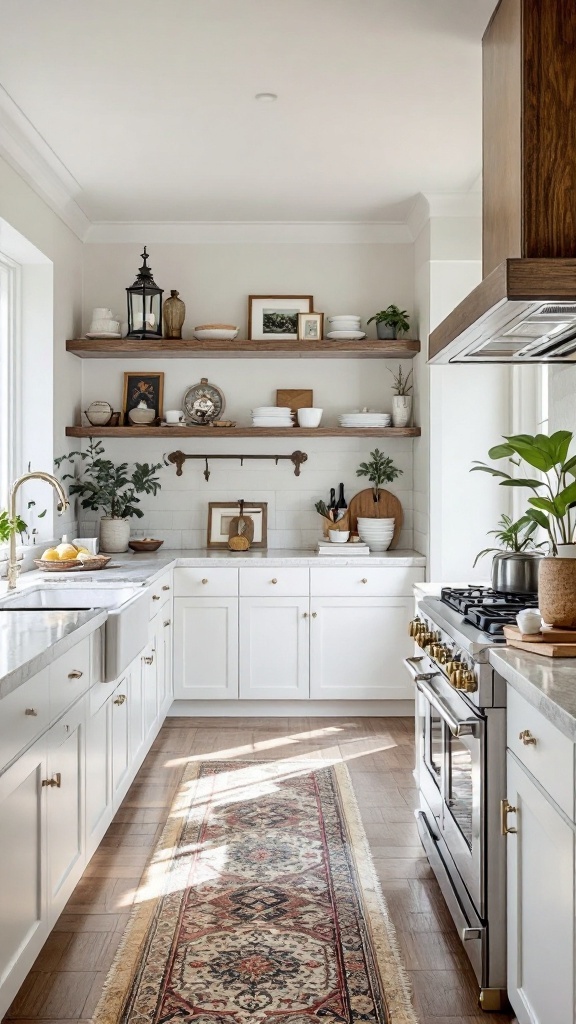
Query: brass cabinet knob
274,580
505,810
148,660
168,622
305,615
120,698
155,597
527,738
204,581
75,674
165,587
56,780
314,614
364,580
32,712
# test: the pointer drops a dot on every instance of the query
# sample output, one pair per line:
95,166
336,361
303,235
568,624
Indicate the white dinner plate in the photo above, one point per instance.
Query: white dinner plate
346,335
102,334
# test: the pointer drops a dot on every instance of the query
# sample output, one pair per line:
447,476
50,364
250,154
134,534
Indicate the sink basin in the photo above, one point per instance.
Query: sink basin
126,629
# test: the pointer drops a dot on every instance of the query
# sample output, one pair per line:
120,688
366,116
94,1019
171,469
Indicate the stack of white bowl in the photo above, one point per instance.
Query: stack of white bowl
272,416
345,327
365,418
376,533
103,324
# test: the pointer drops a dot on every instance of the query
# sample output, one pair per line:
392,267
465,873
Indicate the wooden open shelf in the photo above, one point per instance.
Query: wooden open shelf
212,433
168,348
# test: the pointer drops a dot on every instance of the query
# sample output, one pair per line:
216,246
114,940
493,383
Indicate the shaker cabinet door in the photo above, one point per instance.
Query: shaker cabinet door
274,657
206,648
65,801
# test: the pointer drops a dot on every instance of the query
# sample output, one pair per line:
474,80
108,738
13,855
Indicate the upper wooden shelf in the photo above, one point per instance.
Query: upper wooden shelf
211,433
168,348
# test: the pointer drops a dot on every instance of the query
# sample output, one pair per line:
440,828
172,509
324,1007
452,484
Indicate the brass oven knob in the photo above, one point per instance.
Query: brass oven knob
469,683
457,678
414,626
453,666
527,738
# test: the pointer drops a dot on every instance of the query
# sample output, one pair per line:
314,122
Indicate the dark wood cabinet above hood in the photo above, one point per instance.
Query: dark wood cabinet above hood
529,180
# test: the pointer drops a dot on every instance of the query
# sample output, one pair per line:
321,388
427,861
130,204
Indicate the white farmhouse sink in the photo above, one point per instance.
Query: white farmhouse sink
126,630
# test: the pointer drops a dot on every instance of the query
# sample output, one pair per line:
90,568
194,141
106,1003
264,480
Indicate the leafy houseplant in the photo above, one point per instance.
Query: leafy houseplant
390,322
380,470
513,536
401,385
9,526
554,494
401,398
112,489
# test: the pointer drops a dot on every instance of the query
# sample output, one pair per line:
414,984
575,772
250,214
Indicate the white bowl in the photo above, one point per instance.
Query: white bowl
309,417
270,421
377,545
343,316
345,325
283,411
369,520
346,335
216,334
105,325
338,536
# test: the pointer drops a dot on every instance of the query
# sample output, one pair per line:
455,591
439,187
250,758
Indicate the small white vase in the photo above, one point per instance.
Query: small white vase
566,550
401,410
114,534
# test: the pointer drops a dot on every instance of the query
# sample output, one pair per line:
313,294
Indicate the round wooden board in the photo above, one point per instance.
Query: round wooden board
362,504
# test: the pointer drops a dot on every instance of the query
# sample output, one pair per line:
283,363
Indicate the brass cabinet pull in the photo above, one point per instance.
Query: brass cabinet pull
505,810
75,674
274,581
56,780
305,615
204,581
155,597
120,698
364,580
314,614
32,712
165,587
168,622
527,738
148,660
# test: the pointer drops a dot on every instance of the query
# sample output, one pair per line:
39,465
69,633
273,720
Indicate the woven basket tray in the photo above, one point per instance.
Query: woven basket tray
72,565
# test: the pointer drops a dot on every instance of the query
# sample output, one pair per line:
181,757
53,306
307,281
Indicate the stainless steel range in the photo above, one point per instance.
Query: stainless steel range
460,767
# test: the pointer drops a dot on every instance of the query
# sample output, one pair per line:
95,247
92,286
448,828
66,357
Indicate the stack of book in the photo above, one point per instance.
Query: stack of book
325,547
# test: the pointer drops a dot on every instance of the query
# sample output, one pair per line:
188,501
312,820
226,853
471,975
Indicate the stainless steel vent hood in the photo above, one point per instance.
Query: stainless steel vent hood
524,310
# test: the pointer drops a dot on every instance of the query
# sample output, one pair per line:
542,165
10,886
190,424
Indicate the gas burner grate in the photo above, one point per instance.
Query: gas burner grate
486,609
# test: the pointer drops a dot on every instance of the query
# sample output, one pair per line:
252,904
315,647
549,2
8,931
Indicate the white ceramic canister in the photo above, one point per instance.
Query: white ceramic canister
401,410
114,534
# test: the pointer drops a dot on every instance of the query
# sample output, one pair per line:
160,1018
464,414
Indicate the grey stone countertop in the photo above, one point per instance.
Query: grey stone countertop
31,640
549,684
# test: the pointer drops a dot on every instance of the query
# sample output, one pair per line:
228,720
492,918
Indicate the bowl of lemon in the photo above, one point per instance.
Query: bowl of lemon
68,558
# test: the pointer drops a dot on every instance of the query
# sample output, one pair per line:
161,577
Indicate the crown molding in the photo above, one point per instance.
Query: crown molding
249,232
32,158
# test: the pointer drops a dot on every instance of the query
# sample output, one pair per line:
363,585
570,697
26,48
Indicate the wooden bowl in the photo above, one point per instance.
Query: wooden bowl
72,565
148,544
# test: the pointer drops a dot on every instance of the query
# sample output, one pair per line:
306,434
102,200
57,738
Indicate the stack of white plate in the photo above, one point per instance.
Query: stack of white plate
272,416
345,327
376,533
365,419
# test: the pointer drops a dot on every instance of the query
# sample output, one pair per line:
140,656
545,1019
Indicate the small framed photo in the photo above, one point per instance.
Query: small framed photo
275,317
310,326
143,389
221,514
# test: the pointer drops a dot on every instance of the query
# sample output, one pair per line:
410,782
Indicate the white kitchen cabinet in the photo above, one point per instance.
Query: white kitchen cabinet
149,663
206,648
120,737
65,805
98,774
274,640
541,910
23,908
357,646
165,686
136,711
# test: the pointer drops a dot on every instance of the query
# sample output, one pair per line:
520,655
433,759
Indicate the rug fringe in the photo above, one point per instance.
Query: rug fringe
395,980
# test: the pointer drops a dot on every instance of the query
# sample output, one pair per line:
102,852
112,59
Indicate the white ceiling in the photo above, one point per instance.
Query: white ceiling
149,104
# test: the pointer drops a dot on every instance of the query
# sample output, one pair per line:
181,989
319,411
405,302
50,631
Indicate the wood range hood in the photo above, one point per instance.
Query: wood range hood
524,310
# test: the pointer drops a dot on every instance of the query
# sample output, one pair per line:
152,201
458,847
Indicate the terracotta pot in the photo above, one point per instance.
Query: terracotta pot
557,592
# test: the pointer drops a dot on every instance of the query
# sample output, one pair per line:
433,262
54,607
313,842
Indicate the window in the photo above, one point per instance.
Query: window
10,438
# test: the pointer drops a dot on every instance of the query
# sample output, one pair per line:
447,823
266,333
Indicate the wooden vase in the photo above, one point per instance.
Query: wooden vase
557,592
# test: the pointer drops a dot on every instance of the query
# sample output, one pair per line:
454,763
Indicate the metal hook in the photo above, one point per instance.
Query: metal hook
207,470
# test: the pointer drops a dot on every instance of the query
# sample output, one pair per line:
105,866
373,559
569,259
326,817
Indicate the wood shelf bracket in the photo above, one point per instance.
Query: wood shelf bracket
178,459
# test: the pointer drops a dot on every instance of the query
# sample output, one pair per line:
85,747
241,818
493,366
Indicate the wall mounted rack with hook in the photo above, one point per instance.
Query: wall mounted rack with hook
178,459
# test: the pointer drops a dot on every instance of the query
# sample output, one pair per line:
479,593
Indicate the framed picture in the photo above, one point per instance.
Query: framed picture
143,387
275,317
310,326
221,514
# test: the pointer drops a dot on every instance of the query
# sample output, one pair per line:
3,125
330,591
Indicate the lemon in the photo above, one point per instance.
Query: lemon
50,555
65,551
84,556
82,551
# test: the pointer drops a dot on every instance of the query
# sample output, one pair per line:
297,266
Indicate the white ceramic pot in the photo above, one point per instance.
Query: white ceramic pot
401,410
114,534
566,550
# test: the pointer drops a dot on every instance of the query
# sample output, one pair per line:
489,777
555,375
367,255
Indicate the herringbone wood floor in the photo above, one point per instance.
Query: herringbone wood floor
66,981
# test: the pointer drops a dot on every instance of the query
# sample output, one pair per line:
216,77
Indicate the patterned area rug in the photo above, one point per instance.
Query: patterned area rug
260,905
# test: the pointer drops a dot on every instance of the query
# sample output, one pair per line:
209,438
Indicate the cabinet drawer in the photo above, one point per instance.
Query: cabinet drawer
550,759
206,582
24,714
69,677
349,581
275,581
160,593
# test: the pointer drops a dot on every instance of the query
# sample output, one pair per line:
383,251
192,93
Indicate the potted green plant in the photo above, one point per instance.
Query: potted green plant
401,398
376,531
551,508
515,561
112,489
390,322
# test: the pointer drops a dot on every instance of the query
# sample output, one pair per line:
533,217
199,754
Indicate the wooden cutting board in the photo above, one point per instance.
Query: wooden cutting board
541,643
362,504
294,399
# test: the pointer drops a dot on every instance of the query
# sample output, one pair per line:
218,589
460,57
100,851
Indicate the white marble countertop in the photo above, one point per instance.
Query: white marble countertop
549,684
31,640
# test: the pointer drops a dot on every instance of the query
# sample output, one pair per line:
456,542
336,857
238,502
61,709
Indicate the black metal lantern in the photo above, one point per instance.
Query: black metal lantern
144,304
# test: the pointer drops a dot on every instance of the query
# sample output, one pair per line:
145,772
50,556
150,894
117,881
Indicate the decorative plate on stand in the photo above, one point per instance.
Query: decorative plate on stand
203,403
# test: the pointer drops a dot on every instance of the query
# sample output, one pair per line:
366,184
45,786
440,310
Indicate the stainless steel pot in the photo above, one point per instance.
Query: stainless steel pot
516,572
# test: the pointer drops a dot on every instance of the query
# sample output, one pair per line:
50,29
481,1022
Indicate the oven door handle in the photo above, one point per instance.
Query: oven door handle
412,665
458,727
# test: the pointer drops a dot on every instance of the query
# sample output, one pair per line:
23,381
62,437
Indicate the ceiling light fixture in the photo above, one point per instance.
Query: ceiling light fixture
266,97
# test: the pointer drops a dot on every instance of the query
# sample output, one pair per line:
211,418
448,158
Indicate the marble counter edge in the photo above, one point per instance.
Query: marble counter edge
550,688
21,673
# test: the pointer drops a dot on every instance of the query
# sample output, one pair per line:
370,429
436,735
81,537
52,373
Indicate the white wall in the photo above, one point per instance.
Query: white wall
215,281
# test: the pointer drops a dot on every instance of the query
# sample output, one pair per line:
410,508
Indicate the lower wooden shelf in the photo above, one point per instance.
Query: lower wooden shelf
211,433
